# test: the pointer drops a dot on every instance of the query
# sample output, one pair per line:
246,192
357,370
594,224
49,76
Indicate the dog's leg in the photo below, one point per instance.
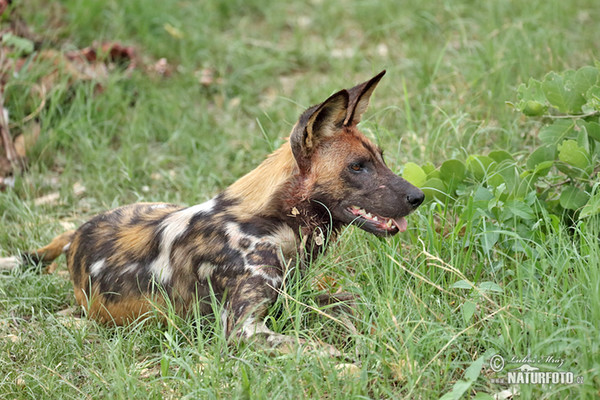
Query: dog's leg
244,317
245,311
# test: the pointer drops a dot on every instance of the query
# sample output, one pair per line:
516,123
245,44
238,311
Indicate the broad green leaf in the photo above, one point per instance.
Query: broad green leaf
414,174
592,207
592,128
480,166
164,366
571,153
518,209
510,173
468,309
540,155
458,389
558,131
500,155
585,78
489,238
543,168
553,87
531,91
462,284
573,198
490,287
21,45
583,141
428,168
474,370
554,221
565,91
434,188
593,100
495,179
482,194
452,171
532,101
434,174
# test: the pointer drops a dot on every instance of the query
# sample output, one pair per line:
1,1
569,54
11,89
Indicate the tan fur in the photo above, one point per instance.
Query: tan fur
119,313
55,248
133,239
257,188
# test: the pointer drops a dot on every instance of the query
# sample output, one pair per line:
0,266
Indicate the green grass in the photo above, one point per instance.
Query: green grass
451,67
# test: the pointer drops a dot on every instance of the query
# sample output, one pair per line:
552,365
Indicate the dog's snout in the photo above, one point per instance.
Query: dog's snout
415,198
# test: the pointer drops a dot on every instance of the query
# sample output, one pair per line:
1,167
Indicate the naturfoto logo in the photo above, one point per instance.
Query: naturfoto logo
526,373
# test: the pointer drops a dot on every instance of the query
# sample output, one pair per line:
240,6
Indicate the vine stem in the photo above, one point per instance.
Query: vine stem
596,170
573,116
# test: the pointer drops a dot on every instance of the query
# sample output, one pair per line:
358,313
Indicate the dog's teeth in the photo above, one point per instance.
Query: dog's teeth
368,215
388,223
375,218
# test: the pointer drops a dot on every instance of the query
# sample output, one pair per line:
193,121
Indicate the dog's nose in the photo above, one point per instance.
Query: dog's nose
415,198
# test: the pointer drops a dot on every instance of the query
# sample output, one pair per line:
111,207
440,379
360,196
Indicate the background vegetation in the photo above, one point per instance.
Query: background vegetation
463,284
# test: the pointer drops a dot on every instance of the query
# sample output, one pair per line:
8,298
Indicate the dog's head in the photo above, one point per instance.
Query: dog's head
344,171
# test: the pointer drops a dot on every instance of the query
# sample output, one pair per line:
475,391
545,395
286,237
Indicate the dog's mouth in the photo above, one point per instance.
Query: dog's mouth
377,224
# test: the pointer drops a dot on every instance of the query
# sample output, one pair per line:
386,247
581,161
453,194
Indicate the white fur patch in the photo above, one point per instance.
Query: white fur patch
97,267
205,270
8,263
129,268
250,328
279,239
285,239
235,235
66,247
161,205
172,227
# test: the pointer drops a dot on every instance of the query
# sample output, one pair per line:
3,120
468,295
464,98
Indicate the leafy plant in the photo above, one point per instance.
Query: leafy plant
570,105
461,386
513,192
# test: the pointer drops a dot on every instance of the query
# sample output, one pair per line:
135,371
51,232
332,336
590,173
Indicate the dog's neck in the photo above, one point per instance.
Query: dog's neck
254,192
276,190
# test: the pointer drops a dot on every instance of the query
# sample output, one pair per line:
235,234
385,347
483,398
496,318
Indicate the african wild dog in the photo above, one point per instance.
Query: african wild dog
240,243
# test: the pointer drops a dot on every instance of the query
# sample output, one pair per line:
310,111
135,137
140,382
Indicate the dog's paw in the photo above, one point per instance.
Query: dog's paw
339,302
319,349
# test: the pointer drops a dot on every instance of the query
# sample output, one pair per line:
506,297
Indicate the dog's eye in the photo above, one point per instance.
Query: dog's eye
356,167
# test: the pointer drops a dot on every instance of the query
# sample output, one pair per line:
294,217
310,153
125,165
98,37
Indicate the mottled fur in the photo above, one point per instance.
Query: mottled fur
240,244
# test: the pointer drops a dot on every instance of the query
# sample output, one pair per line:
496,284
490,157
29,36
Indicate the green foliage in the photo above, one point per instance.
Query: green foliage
20,46
569,137
461,386
514,192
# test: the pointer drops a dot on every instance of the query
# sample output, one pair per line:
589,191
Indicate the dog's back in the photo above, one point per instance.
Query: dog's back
119,259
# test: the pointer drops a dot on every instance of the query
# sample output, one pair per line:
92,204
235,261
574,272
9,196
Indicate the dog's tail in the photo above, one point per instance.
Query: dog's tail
42,256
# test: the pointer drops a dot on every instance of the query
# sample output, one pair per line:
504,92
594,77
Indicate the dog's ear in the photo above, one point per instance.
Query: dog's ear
317,123
359,99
